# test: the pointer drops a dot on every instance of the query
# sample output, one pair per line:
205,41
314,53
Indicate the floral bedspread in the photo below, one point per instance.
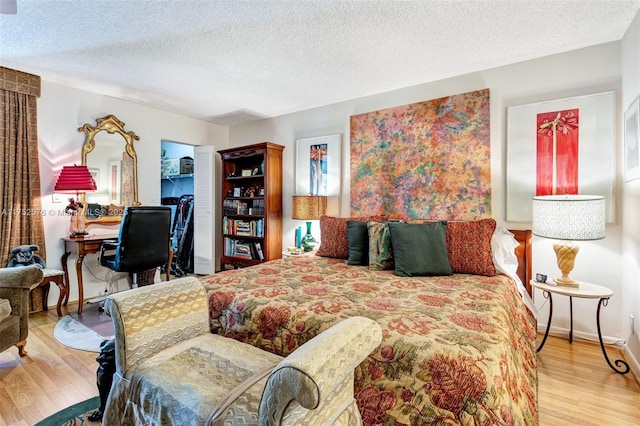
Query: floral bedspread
456,350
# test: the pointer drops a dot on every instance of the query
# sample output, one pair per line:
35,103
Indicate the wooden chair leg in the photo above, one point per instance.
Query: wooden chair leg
169,263
21,344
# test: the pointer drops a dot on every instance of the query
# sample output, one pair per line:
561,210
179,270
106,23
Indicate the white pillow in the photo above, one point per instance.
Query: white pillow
5,309
503,245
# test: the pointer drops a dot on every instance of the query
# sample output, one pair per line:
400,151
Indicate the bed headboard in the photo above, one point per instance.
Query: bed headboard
523,253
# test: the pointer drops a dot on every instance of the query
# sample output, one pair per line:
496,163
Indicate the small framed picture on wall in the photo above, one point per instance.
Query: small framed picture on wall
632,141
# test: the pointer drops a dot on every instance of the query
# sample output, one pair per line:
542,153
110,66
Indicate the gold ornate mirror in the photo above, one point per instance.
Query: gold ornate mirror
114,169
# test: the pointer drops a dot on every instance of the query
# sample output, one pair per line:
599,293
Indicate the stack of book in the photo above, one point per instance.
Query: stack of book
244,249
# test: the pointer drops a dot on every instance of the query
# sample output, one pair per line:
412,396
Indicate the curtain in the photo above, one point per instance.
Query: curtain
21,219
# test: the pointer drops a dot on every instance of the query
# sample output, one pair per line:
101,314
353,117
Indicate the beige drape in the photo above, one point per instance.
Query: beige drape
21,219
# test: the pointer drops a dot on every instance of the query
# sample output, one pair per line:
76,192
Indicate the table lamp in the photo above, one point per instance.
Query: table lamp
569,218
75,179
308,207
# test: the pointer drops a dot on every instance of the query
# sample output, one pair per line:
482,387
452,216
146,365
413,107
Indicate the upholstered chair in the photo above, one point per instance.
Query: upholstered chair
143,241
15,284
170,369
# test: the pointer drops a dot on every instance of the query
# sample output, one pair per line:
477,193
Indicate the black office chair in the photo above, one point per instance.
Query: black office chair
143,242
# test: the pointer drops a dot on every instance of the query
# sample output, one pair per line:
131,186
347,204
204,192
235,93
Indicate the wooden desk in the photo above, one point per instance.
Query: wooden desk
82,247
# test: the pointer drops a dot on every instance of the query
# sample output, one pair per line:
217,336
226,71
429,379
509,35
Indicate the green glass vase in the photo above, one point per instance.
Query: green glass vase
308,242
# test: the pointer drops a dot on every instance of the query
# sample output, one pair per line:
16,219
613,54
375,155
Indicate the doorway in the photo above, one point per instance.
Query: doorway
188,188
177,192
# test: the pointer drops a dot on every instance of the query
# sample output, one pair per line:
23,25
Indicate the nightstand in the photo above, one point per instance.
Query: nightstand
585,291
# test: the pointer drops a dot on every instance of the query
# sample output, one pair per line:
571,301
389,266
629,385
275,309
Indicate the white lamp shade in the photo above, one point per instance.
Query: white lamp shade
569,217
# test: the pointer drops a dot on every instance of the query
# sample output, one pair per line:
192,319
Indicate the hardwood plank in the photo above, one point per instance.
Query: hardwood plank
49,378
575,384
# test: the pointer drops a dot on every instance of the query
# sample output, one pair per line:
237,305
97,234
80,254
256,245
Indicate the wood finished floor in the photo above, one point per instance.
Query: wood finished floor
576,387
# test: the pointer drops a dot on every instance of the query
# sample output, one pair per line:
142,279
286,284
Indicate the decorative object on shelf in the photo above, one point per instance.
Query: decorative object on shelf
75,179
570,218
632,141
308,207
541,278
298,236
292,251
562,146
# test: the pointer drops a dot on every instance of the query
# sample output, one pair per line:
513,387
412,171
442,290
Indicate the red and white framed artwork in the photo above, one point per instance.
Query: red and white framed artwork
562,146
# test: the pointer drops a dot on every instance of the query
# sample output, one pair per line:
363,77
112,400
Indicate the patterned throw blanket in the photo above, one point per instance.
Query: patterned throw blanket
458,349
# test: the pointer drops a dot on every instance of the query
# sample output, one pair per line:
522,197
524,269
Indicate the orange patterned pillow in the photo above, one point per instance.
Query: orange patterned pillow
469,247
334,241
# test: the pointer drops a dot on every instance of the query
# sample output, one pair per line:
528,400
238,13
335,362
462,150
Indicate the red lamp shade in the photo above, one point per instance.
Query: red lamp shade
75,179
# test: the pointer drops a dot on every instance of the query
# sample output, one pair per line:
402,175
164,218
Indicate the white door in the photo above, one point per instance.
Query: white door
203,225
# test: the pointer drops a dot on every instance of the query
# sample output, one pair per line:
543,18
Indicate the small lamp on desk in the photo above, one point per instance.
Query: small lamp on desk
308,207
570,218
75,179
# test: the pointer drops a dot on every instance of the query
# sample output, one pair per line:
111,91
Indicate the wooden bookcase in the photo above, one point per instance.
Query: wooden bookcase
251,204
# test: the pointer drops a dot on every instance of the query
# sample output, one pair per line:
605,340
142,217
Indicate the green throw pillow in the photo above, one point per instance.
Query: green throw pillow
420,249
358,237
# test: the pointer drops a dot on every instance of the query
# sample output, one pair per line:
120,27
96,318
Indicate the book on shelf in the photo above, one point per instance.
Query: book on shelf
259,250
242,250
238,248
246,228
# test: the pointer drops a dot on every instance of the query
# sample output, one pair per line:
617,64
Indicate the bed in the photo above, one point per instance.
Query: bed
457,349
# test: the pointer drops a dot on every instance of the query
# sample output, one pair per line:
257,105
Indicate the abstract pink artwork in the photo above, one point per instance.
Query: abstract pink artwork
427,160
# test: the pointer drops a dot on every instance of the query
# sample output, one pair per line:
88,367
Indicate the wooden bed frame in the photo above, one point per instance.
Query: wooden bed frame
523,253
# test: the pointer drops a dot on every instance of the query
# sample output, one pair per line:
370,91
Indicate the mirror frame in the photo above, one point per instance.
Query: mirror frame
109,124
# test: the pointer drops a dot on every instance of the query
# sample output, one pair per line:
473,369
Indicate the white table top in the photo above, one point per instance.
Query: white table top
586,290
289,254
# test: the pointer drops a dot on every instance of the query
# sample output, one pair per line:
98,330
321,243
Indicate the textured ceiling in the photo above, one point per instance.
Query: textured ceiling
232,61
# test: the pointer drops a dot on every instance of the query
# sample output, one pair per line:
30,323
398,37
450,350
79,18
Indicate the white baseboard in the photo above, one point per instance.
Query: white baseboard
564,332
633,362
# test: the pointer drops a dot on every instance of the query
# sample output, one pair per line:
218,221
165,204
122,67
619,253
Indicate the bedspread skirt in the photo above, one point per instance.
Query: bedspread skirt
456,350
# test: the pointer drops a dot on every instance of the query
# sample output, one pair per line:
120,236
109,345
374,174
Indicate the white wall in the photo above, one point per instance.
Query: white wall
61,111
581,72
631,202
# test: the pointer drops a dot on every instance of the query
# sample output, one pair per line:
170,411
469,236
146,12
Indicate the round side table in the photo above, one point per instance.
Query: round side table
584,291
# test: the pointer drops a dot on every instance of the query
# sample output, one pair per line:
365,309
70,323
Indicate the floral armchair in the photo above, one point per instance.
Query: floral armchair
15,284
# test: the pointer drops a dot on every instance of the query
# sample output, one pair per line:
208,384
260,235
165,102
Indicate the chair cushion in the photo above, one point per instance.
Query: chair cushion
5,309
49,272
187,381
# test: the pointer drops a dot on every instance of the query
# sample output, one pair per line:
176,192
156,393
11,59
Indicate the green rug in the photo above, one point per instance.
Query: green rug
75,415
